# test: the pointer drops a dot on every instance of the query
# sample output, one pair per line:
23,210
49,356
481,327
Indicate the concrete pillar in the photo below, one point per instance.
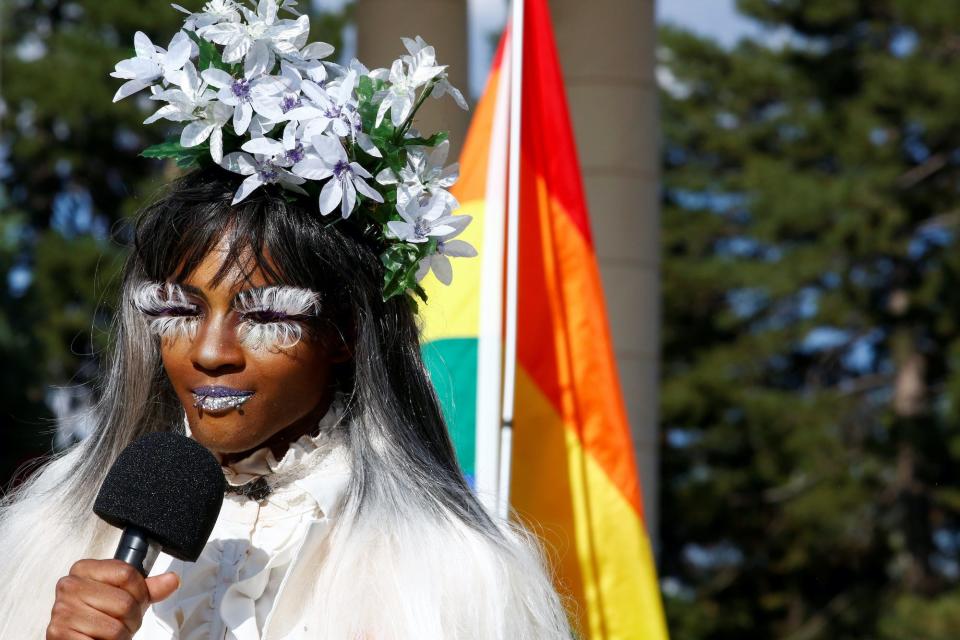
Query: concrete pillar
607,53
443,24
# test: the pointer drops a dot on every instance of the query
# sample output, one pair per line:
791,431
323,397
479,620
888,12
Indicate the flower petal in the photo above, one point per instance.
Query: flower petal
178,53
129,88
216,145
258,60
441,268
247,187
312,169
241,117
330,196
143,46
423,268
316,51
458,249
366,143
387,176
217,78
367,190
349,199
195,133
239,162
265,146
401,230
166,111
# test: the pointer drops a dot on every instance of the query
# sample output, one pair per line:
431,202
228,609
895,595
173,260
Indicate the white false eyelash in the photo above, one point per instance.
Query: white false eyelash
283,334
154,298
292,301
174,327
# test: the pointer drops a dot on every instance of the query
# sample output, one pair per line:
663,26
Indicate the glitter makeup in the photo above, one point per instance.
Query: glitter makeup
217,398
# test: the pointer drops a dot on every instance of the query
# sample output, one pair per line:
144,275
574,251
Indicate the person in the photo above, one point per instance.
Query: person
284,340
265,299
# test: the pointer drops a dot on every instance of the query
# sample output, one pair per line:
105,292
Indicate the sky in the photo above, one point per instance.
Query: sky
714,18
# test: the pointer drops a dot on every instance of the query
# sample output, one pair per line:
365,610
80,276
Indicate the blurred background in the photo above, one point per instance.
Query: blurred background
774,192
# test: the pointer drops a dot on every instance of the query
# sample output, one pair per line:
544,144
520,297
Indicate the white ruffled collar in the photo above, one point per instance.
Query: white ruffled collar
299,458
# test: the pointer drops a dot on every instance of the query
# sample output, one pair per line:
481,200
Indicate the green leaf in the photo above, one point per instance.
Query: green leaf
209,55
167,149
432,141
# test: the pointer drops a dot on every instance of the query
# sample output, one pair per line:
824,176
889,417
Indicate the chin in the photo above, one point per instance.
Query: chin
225,434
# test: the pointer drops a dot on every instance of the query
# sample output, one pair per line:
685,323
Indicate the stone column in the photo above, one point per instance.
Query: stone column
607,53
443,24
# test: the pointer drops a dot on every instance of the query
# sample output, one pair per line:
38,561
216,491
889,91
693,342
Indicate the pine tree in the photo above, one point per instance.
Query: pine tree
811,342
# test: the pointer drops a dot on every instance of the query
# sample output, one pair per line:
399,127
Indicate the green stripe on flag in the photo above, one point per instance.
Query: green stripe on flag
452,364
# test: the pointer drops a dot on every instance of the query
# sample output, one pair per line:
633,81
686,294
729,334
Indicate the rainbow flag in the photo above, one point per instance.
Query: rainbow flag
574,479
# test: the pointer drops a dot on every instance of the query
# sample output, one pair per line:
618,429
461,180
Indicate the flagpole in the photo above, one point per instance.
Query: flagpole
513,244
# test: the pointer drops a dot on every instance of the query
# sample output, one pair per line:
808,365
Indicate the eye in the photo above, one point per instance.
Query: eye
267,316
175,311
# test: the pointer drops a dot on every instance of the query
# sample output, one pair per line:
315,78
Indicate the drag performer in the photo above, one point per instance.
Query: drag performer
268,311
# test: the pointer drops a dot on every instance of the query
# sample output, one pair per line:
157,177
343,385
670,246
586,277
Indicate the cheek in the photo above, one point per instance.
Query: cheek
291,381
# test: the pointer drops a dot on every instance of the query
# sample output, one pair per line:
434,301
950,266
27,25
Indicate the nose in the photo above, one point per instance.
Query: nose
216,348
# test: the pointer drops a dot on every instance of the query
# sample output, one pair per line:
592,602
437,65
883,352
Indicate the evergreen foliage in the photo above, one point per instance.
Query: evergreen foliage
811,395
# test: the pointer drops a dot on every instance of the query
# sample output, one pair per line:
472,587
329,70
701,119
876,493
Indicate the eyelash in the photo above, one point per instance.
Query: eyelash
272,317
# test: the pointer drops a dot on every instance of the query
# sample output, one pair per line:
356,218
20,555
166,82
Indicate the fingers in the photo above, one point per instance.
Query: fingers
113,601
88,622
104,600
160,587
72,619
113,572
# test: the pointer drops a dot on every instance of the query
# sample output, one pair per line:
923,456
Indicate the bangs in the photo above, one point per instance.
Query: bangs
263,233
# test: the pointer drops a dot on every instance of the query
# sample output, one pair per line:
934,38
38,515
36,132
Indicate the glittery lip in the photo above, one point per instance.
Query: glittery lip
216,398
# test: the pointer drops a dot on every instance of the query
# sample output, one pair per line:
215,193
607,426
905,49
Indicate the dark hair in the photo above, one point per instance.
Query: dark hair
292,244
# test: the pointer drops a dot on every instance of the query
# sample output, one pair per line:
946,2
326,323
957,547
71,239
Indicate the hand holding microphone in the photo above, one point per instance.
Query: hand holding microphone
165,491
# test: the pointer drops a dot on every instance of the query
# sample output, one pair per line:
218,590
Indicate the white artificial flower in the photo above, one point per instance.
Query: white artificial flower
310,60
214,12
447,248
260,39
285,153
239,93
425,172
331,109
418,47
151,63
422,220
184,101
406,76
209,124
277,107
260,170
288,5
328,159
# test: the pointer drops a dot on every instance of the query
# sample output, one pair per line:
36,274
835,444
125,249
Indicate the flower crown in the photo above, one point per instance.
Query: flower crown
260,101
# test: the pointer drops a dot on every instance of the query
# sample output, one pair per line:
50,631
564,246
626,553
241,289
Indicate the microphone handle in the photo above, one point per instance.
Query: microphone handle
137,550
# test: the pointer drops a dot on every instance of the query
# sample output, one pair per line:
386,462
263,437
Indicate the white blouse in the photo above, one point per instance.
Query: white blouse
231,590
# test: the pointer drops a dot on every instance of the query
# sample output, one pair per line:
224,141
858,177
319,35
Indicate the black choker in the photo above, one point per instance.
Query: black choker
255,489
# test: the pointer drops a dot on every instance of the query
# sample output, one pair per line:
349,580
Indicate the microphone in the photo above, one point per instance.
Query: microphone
165,491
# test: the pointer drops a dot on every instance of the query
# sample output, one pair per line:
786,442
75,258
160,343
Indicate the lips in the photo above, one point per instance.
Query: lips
218,398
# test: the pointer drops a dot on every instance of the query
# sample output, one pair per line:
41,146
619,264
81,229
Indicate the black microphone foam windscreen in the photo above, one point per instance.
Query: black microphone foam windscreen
168,485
